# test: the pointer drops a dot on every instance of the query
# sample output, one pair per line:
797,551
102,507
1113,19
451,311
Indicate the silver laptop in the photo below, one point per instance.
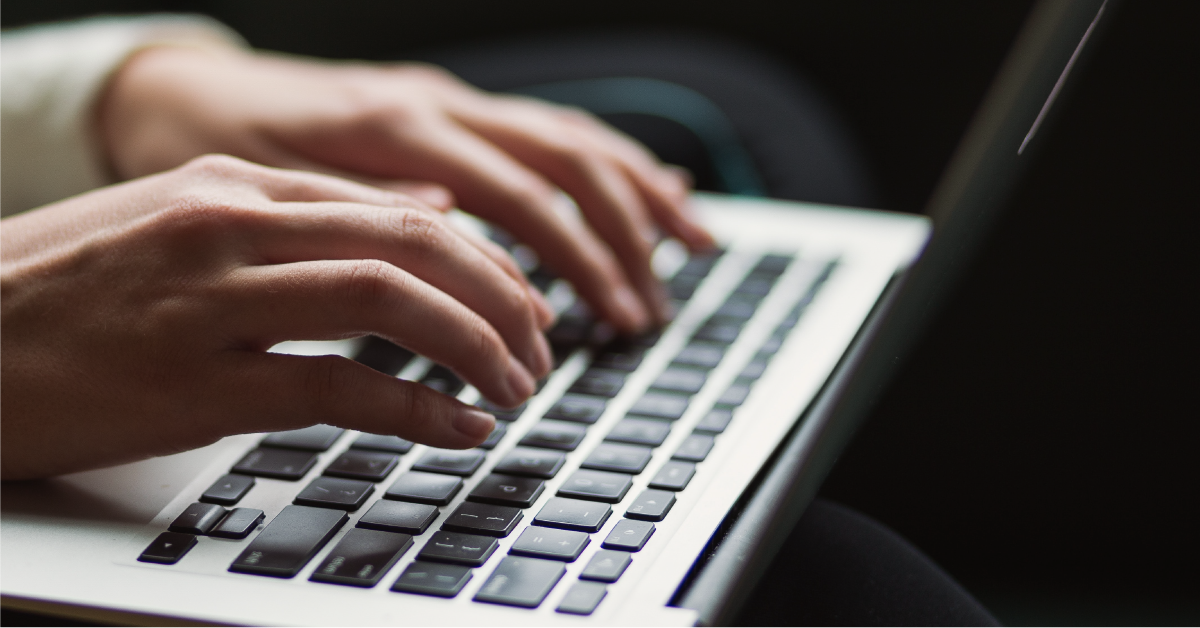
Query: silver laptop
649,480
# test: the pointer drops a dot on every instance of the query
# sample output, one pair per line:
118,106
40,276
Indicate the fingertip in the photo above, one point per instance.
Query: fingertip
473,423
519,381
631,311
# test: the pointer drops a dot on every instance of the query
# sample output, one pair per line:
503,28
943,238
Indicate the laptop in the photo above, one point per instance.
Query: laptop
649,480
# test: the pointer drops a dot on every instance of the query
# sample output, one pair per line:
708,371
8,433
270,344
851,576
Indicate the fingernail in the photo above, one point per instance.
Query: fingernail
631,306
473,423
520,382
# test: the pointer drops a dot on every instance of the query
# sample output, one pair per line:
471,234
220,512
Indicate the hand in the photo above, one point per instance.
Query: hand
503,157
136,317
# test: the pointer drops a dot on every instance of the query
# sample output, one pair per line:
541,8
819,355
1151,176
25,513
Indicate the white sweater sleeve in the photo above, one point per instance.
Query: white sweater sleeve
50,78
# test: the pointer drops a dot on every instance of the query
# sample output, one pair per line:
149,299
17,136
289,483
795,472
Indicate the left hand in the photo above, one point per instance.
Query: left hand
502,157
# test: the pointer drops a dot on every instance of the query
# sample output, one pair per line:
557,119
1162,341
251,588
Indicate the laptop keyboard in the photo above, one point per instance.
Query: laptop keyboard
431,520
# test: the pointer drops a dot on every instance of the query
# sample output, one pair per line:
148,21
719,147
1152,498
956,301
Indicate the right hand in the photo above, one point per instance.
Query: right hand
137,317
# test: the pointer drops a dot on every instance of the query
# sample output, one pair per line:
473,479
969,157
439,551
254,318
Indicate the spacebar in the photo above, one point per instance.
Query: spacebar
292,538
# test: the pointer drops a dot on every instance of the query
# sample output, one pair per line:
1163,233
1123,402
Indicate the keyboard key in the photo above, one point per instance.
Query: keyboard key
723,331
315,438
391,516
519,581
238,524
773,343
646,340
197,518
606,566
737,309
599,382
756,284
326,492
554,435
582,598
564,545
425,488
461,549
289,541
573,514
507,490
433,579
362,557
734,395
383,356
372,466
629,535
600,486
473,518
443,380
755,368
577,408
674,476
502,414
701,264
682,287
620,357
661,405
281,464
651,505
773,264
379,442
637,431
451,461
228,490
702,354
684,380
493,439
715,421
538,463
167,548
630,459
694,448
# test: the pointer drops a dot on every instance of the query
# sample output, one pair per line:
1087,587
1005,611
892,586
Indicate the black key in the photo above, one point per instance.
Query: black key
756,284
507,490
629,535
564,545
391,516
755,368
734,395
724,331
715,421
773,264
606,566
289,541
569,333
630,459
451,461
637,431
197,518
424,488
493,439
460,549
622,357
443,380
599,382
737,309
577,408
325,492
473,518
554,435
379,442
228,490
702,354
281,464
433,579
573,514
537,463
698,266
238,524
683,286
674,476
646,340
600,486
684,380
314,438
651,505
661,405
694,448
362,557
383,356
773,343
502,414
519,581
582,598
167,548
372,466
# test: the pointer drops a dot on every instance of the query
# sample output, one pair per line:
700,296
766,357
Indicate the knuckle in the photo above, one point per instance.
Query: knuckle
218,164
370,284
484,344
323,381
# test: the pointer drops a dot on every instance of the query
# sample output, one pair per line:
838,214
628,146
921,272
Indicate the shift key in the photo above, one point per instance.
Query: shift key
289,541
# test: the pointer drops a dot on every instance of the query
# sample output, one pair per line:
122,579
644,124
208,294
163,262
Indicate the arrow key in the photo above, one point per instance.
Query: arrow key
228,490
606,566
651,505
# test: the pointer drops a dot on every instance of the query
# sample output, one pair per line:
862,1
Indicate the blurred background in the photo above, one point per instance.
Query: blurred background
1038,443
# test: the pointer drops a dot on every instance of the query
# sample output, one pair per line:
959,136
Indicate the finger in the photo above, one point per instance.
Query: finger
297,391
423,244
492,185
338,299
545,313
432,194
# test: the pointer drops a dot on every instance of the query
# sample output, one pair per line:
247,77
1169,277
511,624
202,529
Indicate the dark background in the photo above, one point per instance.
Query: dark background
1041,442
